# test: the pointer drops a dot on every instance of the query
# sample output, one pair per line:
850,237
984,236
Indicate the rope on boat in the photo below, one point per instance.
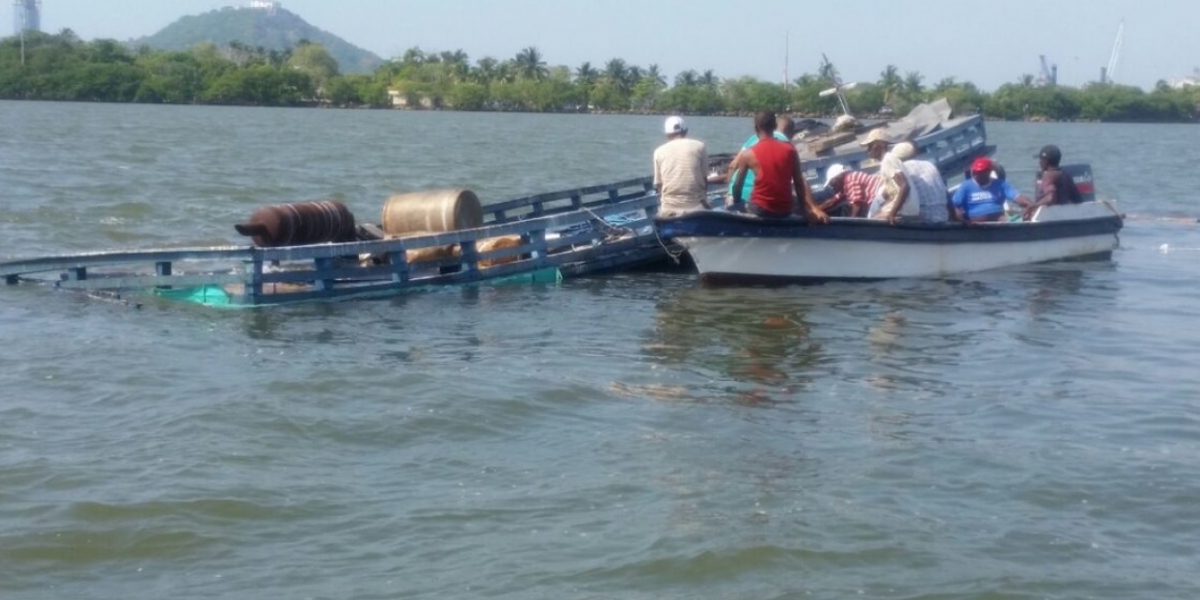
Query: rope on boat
673,253
607,228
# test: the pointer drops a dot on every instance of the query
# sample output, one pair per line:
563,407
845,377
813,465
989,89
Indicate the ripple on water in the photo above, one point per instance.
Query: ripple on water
1026,433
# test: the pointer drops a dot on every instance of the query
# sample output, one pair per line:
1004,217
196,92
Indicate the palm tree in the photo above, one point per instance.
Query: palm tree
709,79
614,71
1027,80
506,71
458,56
413,56
890,83
458,64
912,84
486,69
827,72
632,76
586,74
655,76
688,78
945,84
530,65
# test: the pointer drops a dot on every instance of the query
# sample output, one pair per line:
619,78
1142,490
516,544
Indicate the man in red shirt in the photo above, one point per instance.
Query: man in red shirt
777,174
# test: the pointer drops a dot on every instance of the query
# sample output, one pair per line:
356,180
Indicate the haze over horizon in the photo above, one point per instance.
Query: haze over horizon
970,41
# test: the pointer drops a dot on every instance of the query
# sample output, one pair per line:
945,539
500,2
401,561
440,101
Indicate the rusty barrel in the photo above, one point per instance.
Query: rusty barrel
435,211
299,224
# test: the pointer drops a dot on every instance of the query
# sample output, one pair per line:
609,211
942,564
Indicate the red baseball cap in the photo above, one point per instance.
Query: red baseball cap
981,165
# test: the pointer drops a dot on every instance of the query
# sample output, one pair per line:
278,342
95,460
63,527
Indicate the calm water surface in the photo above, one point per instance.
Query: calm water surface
1023,433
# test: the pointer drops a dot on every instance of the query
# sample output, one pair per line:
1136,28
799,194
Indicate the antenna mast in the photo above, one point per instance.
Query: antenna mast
787,47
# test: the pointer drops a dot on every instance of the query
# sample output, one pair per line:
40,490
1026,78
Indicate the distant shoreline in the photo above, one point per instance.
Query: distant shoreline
798,115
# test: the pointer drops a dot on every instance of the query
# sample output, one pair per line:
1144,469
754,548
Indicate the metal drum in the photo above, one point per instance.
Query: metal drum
435,211
299,224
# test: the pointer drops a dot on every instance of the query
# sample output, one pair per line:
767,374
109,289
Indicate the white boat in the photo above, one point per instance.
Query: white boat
731,247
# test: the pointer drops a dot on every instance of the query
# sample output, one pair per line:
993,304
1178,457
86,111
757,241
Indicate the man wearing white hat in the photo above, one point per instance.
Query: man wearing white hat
680,170
852,191
912,188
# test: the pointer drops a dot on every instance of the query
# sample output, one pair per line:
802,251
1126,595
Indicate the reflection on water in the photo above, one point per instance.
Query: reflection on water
1028,432
758,339
1058,287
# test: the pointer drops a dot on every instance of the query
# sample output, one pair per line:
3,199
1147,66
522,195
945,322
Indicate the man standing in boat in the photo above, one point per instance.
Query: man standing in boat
680,170
777,172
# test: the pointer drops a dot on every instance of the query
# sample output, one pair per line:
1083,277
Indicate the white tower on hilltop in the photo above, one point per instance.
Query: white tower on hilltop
27,16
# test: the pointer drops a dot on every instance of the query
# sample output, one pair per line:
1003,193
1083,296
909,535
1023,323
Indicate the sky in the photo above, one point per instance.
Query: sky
988,43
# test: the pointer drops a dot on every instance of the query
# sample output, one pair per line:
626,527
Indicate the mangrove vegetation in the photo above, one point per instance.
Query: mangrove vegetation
63,67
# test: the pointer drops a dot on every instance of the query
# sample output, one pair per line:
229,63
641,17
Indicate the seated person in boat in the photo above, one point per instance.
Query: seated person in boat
778,176
852,191
877,144
784,129
981,198
680,167
1053,186
912,188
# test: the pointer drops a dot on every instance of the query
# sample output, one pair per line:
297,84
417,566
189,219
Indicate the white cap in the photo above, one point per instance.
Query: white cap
673,125
904,150
833,171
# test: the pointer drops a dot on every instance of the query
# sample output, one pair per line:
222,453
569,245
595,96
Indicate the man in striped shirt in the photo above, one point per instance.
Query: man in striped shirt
852,191
680,169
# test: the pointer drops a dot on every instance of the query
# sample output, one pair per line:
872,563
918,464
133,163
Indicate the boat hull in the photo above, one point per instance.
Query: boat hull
728,247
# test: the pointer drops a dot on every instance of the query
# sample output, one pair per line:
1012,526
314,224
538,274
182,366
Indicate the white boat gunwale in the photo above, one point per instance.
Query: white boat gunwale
741,248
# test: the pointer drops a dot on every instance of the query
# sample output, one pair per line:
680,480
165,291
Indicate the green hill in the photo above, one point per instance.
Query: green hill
273,30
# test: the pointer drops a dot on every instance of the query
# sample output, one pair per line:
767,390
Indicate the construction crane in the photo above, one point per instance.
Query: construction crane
1049,74
1110,72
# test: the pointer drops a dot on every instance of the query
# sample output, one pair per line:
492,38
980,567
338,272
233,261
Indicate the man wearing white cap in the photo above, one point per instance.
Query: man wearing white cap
852,191
680,170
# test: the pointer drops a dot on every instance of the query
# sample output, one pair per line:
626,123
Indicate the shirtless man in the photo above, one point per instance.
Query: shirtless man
777,173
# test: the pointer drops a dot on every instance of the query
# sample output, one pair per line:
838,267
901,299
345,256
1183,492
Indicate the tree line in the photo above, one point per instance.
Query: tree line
63,67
